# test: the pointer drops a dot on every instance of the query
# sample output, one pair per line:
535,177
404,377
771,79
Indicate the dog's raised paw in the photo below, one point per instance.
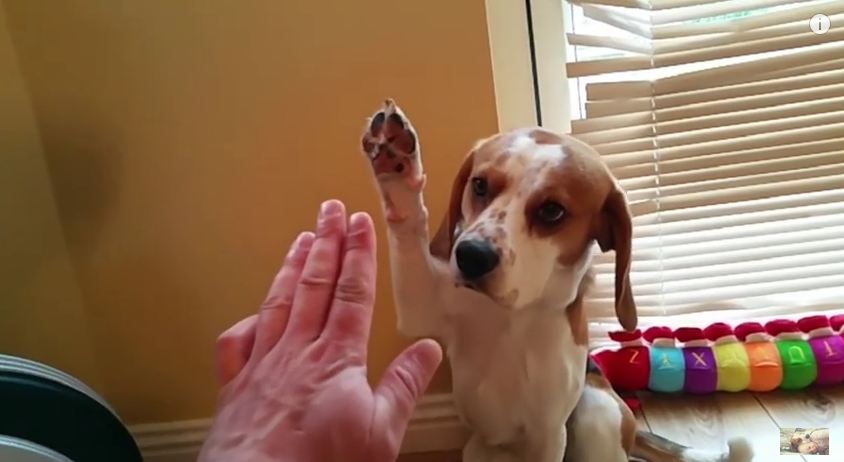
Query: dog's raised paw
391,145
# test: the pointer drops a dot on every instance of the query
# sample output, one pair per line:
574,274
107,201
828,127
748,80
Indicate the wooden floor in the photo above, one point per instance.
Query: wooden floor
709,421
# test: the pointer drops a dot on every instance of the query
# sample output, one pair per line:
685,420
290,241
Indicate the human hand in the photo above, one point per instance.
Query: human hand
293,376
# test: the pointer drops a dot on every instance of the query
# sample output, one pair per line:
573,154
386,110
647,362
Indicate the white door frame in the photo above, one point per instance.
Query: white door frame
527,45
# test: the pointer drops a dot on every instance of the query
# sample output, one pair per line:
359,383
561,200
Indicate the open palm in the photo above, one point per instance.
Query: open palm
294,385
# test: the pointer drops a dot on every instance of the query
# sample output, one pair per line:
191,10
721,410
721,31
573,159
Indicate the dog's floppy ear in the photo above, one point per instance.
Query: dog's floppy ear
443,240
615,232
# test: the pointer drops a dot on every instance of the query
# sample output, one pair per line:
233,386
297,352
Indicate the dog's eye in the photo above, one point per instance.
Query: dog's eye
479,187
550,213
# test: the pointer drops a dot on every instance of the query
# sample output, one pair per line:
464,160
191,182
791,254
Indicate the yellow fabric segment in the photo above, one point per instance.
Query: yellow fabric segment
733,367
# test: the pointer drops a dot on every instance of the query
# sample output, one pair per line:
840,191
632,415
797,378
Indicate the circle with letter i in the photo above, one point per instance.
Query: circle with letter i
819,24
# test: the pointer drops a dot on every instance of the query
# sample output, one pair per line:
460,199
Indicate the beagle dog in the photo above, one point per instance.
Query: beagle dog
501,284
810,441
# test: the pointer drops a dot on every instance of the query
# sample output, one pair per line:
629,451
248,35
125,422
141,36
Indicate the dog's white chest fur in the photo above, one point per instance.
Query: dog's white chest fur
515,373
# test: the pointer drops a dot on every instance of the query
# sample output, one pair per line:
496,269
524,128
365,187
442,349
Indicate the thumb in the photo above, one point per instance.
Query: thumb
400,388
233,348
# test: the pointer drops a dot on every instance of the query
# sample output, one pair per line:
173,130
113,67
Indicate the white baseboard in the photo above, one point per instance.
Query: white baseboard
434,427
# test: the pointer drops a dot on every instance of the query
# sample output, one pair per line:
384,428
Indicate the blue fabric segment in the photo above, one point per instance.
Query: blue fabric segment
668,370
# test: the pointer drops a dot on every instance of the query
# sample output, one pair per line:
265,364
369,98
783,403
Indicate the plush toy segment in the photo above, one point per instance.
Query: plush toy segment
668,370
765,366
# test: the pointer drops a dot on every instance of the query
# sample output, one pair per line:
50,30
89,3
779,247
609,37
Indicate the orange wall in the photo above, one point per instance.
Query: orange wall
188,142
42,314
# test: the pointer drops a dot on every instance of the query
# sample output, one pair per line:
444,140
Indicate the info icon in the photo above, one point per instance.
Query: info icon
820,24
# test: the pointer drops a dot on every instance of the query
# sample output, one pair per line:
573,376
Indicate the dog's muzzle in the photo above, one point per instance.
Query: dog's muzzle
475,259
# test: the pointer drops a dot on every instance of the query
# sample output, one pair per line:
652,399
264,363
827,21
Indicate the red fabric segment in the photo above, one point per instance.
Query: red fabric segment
746,328
686,334
624,336
717,330
655,332
810,323
627,369
779,326
837,321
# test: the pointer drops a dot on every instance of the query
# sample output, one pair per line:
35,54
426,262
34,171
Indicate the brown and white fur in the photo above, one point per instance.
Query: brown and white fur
502,283
810,441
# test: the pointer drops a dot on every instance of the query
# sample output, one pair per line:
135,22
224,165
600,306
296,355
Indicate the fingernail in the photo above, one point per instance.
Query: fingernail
430,353
296,241
330,208
357,222
295,245
300,243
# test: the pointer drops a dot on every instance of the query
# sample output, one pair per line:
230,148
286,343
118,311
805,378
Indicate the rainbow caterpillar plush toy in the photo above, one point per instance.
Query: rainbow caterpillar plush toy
781,354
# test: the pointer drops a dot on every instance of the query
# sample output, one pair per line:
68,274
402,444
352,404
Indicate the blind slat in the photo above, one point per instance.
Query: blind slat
617,18
726,251
828,277
655,61
749,187
620,98
800,13
734,245
651,261
603,319
731,136
674,45
737,274
657,114
709,91
645,4
819,58
818,211
736,211
616,107
791,167
749,193
735,119
703,11
633,46
668,168
685,44
769,142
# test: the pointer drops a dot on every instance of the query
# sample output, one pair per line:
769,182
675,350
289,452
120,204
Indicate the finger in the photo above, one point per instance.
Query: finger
319,276
350,315
275,311
233,349
401,387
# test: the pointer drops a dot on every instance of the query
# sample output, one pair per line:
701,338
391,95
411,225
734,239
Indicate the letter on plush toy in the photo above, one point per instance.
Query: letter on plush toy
799,368
630,374
765,363
796,353
634,353
827,348
701,375
668,368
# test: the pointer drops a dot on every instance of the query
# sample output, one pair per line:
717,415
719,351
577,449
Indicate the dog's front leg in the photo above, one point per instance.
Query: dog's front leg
391,147
552,449
476,450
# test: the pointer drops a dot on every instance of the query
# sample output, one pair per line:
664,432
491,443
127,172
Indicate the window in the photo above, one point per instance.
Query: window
724,121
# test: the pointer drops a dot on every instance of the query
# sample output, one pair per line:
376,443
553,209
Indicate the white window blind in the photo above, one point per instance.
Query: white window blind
724,121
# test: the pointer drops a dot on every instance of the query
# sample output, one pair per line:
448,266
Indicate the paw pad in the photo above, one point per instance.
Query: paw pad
390,141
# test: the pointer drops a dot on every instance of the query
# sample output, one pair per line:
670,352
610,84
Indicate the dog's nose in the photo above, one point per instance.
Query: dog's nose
475,258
